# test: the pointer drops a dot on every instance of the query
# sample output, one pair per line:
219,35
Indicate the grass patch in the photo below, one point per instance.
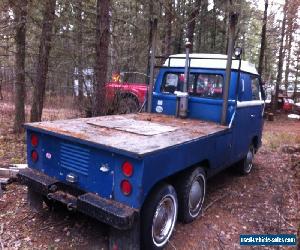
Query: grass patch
274,140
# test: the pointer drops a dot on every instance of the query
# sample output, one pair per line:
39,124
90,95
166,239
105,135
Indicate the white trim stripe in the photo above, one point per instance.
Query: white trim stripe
250,103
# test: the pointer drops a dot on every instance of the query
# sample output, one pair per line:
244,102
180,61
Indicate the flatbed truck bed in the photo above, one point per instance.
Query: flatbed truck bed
135,134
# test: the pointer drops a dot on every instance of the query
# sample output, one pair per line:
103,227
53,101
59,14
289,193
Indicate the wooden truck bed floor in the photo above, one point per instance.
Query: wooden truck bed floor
139,134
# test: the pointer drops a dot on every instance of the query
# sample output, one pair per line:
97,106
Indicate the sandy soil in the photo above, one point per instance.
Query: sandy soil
266,201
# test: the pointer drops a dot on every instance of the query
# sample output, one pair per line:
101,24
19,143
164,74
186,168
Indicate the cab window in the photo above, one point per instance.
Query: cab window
255,88
202,85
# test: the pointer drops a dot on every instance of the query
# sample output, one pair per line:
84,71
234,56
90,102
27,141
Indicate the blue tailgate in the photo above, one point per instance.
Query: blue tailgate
93,168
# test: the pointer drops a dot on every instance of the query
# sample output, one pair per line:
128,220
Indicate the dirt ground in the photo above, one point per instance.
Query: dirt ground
267,201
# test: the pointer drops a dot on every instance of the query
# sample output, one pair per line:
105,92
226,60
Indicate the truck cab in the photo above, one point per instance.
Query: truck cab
205,84
141,172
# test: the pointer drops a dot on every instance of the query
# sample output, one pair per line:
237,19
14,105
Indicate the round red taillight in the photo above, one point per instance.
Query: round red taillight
126,187
34,140
127,169
34,156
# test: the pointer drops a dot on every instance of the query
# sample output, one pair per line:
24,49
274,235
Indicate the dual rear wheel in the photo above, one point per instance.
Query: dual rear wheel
164,205
183,200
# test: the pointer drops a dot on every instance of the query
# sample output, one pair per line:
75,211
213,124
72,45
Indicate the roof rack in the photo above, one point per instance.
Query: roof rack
208,61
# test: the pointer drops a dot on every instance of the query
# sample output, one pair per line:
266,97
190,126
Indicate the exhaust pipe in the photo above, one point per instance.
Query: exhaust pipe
183,97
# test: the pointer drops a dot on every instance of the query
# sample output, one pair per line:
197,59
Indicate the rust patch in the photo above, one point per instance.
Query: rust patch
63,131
136,143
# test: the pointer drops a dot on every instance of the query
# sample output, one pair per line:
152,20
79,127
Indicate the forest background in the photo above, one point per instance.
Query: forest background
47,46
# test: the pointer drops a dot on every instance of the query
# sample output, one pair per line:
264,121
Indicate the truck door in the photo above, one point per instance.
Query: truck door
248,118
256,111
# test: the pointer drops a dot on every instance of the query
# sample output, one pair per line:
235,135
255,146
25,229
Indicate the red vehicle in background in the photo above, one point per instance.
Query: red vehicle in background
127,91
287,104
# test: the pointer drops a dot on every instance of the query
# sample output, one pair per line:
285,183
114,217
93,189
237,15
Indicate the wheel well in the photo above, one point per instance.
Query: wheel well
255,142
172,179
204,164
129,95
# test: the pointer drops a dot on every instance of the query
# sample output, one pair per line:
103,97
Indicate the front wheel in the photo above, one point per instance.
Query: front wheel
159,216
246,164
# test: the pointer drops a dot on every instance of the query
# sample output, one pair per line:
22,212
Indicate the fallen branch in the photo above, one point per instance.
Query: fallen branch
28,216
53,225
282,217
172,245
1,232
214,201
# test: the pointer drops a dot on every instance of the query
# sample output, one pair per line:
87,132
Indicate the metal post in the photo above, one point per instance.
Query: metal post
152,64
184,96
233,21
187,62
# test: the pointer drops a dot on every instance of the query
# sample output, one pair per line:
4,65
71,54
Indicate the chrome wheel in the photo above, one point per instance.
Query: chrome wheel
196,197
164,220
249,160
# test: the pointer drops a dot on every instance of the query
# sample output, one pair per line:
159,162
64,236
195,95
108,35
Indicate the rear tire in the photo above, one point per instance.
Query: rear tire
191,188
127,105
159,214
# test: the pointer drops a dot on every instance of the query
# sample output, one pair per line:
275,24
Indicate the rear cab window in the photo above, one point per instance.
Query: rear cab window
255,87
199,84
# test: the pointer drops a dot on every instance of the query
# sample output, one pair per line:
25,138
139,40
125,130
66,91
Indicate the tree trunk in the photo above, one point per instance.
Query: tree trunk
150,6
288,59
102,45
192,22
281,57
263,39
20,12
43,60
214,31
297,54
78,53
289,37
168,36
200,45
179,29
296,80
226,21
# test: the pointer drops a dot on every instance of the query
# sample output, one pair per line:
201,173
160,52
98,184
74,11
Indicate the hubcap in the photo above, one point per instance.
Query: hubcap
249,161
164,220
195,198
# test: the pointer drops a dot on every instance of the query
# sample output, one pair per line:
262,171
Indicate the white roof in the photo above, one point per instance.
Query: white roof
209,61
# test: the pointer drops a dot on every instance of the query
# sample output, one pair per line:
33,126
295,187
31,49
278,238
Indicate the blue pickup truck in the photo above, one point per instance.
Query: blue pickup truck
141,172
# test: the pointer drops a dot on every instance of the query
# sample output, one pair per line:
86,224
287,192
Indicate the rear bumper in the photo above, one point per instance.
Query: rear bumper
110,212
